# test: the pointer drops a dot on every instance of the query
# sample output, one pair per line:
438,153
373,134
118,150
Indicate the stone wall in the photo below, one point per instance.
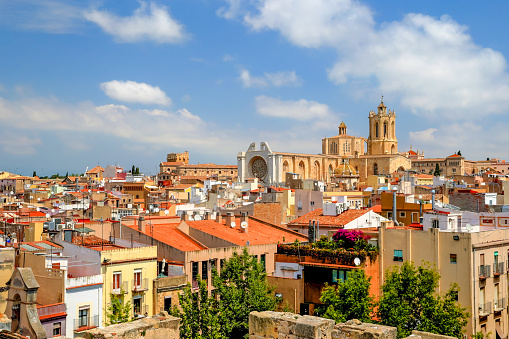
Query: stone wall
162,326
277,325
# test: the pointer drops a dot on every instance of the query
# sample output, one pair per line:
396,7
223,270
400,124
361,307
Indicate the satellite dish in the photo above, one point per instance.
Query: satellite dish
469,227
156,210
47,215
166,212
197,217
191,219
38,209
233,224
243,224
218,196
52,210
357,261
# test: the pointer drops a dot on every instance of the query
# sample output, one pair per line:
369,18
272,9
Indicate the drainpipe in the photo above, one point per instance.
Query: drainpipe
433,200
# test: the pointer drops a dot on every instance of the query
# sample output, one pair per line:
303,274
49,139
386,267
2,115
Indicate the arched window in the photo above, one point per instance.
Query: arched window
385,129
376,130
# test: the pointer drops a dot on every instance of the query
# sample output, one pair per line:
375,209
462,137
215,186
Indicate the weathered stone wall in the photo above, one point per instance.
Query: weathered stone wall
277,325
162,326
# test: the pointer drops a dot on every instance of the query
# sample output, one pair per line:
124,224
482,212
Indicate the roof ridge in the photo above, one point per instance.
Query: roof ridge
276,226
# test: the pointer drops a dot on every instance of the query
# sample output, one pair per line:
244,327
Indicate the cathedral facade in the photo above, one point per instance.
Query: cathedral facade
382,156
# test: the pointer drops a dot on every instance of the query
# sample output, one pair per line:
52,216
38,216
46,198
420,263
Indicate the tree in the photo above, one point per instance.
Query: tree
137,171
198,313
132,170
408,302
118,311
437,170
241,287
34,174
350,299
459,153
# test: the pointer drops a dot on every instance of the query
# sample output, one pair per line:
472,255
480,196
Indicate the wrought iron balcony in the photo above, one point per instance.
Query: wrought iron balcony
498,269
86,323
140,286
484,271
119,289
499,304
484,309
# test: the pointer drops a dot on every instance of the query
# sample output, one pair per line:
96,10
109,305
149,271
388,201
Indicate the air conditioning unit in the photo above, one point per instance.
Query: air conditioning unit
59,227
51,225
68,224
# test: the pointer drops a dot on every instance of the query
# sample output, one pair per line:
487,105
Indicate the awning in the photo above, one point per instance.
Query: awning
83,230
306,263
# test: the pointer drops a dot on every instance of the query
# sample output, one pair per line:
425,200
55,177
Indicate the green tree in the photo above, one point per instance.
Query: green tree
133,169
118,311
198,313
34,174
437,170
241,287
408,302
459,152
137,171
350,299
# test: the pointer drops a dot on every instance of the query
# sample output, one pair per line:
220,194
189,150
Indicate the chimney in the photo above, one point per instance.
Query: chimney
141,224
184,216
229,218
244,220
207,215
219,218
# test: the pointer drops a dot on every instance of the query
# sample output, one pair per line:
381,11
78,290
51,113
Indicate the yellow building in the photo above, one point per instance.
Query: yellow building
130,271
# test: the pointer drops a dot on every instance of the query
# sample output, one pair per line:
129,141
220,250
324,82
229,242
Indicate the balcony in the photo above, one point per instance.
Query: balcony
484,309
499,304
86,323
484,272
498,269
140,286
116,289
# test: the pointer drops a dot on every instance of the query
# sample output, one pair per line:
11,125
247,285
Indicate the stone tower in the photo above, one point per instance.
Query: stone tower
382,131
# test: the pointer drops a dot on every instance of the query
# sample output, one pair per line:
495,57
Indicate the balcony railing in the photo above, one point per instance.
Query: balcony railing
86,323
484,309
116,289
498,269
499,304
484,271
140,286
142,311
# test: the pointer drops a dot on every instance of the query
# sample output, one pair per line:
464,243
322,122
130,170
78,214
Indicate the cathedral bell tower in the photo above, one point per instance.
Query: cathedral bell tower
382,131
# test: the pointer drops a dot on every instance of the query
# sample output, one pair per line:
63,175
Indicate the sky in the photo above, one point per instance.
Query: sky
86,83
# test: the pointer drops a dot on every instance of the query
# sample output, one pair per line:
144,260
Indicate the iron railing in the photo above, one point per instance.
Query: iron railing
140,286
484,309
86,323
499,304
484,271
116,289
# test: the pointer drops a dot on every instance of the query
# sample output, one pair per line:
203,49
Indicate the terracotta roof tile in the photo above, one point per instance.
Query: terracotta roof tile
328,220
172,236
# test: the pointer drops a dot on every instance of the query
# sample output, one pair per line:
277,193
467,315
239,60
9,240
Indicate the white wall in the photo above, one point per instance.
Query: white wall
83,296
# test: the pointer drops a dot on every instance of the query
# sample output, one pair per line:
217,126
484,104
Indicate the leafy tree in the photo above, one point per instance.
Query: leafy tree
437,170
118,311
350,299
459,152
34,174
408,302
487,159
133,169
198,313
241,287
137,171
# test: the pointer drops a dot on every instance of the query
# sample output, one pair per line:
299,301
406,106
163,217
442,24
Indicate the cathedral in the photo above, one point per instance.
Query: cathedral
378,154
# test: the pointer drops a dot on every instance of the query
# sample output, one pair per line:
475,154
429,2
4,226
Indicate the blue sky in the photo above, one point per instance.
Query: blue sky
125,82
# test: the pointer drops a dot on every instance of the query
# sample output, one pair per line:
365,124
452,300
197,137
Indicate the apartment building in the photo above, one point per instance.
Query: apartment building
474,257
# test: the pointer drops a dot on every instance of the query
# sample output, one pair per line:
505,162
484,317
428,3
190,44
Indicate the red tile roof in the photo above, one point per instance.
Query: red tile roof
172,236
96,169
328,220
376,209
258,232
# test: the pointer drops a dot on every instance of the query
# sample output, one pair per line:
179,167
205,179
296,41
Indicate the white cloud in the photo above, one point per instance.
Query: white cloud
277,79
14,143
431,64
424,136
131,91
302,109
149,22
231,11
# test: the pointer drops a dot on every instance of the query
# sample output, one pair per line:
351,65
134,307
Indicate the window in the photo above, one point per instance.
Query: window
453,258
481,259
137,278
83,319
402,214
57,329
117,279
137,305
221,263
389,215
434,223
55,265
167,304
312,203
195,270
262,261
398,255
